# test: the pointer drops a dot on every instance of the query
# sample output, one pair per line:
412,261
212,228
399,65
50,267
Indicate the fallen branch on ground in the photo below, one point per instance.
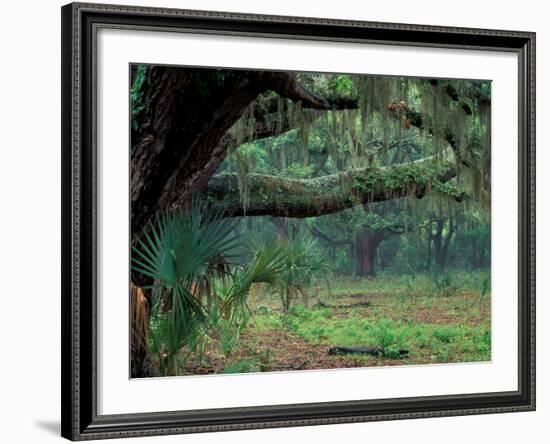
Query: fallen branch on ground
373,351
322,304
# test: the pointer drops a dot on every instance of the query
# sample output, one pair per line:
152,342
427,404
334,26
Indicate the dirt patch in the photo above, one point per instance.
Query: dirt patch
286,351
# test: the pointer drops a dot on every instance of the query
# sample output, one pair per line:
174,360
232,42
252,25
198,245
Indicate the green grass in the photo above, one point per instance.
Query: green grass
442,342
247,365
434,324
405,284
437,319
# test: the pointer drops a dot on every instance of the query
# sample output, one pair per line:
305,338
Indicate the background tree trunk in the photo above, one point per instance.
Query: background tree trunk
442,242
366,249
430,240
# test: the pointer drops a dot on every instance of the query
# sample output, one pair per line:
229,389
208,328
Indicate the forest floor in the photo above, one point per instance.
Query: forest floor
435,320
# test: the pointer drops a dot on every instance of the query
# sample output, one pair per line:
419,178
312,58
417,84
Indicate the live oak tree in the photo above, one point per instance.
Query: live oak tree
185,121
382,139
360,231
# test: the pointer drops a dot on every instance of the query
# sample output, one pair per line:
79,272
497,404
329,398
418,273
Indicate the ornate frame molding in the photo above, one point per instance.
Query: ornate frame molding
80,22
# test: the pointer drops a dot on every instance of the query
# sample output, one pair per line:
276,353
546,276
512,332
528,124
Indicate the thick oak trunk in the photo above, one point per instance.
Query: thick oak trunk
182,137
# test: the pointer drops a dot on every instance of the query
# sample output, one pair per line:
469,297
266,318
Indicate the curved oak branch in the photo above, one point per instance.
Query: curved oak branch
300,198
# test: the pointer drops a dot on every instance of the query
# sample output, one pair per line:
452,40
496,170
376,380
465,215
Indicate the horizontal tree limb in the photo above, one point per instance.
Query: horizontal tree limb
263,194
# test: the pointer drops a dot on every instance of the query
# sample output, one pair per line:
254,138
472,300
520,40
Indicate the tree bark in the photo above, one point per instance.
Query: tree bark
182,138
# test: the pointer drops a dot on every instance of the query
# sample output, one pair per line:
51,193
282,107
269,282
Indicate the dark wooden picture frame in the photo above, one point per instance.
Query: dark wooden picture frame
79,382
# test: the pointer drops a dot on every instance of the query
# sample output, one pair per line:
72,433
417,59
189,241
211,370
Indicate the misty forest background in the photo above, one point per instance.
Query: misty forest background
290,221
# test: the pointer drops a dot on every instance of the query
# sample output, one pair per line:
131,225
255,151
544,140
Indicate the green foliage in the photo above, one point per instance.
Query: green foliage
389,326
392,323
193,258
485,288
163,254
342,85
231,313
198,293
263,310
450,190
302,260
386,338
299,171
442,284
229,338
397,120
411,282
300,311
137,94
247,365
445,334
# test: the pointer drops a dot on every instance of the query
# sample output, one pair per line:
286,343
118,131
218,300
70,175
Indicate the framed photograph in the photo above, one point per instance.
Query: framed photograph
278,221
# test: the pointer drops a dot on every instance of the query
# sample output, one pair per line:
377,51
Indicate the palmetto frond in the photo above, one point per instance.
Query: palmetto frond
178,246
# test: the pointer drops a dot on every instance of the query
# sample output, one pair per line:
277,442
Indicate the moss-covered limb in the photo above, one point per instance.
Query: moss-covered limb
267,109
277,108
300,198
289,87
